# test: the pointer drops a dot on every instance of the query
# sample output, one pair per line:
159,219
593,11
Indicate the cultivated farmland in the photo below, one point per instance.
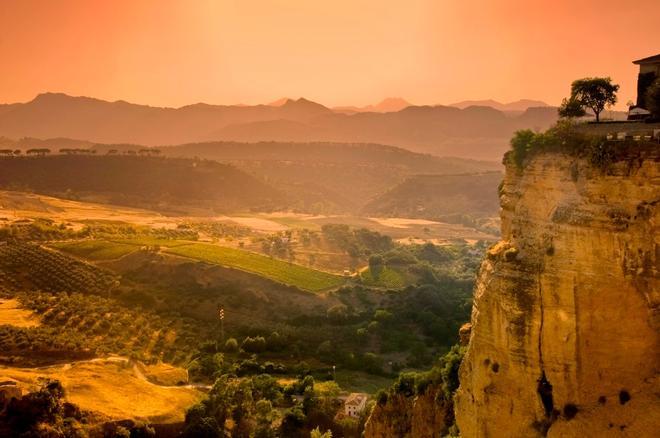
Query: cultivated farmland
273,269
97,250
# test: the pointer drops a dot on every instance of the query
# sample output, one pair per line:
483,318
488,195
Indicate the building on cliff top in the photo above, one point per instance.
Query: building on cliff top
649,70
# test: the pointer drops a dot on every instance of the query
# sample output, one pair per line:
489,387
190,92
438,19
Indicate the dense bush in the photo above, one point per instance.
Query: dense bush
259,406
565,137
43,413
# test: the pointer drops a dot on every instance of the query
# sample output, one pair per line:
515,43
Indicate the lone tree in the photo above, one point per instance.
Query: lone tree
593,93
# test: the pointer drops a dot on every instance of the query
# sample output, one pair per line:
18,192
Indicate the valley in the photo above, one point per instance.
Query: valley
339,219
95,294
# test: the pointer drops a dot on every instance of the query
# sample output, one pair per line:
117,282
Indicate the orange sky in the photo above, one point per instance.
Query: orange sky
337,52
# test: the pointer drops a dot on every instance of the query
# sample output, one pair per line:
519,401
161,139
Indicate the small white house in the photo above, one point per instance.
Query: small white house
355,404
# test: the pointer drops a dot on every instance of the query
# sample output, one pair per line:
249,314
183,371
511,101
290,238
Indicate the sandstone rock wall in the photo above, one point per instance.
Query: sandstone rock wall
423,416
565,334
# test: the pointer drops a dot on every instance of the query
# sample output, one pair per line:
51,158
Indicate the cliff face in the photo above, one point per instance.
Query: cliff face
566,323
423,416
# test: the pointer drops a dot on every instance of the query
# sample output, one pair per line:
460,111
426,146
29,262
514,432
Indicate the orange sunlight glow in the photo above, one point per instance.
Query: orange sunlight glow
337,52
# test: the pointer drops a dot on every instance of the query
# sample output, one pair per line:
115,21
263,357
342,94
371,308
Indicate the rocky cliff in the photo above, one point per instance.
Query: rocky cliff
427,415
566,324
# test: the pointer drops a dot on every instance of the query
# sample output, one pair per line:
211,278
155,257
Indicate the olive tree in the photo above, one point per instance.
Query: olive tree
593,93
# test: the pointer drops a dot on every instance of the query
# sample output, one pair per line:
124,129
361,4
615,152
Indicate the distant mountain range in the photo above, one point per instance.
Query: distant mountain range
478,132
518,105
388,105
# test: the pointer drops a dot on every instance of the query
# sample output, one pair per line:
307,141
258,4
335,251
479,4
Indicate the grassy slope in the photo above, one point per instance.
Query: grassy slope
274,269
11,313
96,250
113,389
151,241
388,277
271,268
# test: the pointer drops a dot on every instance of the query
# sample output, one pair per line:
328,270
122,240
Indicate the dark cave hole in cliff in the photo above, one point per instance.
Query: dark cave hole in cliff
544,388
570,411
495,367
602,400
624,397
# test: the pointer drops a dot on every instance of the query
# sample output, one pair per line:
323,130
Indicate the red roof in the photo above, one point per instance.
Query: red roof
650,60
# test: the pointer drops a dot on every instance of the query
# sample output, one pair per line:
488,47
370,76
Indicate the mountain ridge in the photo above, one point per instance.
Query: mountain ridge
517,105
473,132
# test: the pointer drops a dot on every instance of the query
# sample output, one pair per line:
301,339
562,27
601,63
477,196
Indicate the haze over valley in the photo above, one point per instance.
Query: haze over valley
474,131
329,219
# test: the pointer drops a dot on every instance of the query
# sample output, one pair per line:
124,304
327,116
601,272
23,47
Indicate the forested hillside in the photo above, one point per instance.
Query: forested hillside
440,197
329,177
139,181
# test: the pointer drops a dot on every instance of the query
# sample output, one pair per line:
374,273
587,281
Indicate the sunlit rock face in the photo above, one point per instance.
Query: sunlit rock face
565,324
428,415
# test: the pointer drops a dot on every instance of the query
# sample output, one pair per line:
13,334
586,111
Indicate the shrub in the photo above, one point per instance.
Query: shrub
521,144
405,384
254,345
337,313
231,346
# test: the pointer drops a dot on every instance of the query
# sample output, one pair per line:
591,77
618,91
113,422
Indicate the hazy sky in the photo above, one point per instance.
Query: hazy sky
337,52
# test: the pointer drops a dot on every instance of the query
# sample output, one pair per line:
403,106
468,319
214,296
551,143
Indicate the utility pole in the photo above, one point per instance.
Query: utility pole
221,315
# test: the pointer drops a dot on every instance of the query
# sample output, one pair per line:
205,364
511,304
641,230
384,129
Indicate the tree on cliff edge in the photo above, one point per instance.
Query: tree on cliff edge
593,93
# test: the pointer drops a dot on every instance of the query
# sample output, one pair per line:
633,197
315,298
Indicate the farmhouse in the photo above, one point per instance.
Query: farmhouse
355,404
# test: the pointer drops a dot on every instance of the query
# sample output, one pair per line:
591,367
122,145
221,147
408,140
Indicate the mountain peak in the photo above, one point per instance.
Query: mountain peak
387,105
279,102
303,103
50,97
391,104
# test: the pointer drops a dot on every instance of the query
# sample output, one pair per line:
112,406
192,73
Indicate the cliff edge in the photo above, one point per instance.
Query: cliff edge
566,323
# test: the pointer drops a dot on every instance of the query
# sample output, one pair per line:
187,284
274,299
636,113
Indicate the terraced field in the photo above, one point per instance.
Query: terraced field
273,269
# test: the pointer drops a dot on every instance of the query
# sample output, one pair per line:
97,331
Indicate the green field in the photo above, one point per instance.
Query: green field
96,250
274,269
152,241
350,380
387,277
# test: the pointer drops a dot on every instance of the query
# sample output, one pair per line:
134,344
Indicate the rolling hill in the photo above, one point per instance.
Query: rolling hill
440,197
328,177
140,181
